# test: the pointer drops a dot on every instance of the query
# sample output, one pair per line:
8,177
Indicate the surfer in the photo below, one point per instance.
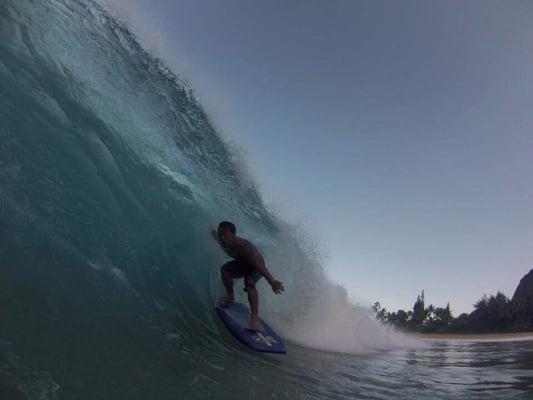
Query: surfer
247,263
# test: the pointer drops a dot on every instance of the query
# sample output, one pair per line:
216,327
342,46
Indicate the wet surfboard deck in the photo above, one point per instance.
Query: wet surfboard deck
236,318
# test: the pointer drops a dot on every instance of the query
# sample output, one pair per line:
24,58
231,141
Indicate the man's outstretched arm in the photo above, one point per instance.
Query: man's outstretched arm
257,260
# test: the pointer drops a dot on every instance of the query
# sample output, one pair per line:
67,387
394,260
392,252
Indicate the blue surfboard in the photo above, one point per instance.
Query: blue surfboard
236,318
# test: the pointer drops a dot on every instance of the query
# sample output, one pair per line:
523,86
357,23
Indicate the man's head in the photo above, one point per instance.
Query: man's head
226,233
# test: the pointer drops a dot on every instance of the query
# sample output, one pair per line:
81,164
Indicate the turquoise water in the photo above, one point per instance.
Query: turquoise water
111,175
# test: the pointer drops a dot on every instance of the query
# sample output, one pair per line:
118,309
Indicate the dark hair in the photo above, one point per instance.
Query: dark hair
227,225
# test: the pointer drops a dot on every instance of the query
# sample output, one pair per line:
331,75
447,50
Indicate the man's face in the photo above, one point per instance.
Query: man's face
226,237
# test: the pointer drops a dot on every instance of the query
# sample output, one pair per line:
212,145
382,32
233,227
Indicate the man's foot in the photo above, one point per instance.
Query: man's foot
255,323
227,300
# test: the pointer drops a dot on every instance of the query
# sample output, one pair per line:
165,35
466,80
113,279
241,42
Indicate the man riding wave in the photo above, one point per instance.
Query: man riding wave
247,263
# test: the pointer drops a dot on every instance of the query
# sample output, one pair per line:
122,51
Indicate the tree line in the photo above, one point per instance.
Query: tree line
495,313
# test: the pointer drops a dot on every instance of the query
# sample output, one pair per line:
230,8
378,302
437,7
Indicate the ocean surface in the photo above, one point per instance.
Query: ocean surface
111,177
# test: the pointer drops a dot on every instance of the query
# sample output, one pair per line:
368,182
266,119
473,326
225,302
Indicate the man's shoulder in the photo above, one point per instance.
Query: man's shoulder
246,245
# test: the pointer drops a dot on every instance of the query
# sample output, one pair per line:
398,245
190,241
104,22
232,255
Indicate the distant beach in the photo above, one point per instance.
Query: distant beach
475,336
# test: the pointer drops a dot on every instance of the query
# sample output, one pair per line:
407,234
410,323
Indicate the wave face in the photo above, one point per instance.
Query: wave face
111,177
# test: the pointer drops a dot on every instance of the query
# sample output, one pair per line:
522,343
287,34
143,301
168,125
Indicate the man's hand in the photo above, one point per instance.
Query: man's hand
277,287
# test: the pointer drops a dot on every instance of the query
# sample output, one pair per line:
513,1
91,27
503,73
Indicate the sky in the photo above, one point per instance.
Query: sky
399,133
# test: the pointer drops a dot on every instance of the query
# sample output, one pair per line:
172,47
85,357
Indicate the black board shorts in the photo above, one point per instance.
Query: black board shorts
242,269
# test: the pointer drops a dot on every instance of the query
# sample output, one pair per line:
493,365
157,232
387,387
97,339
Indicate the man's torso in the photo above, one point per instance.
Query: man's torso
243,251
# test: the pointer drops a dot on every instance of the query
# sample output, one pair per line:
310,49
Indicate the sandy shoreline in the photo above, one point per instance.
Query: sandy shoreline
475,336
